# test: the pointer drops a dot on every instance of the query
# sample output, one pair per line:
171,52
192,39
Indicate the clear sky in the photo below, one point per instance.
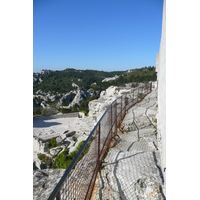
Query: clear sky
104,35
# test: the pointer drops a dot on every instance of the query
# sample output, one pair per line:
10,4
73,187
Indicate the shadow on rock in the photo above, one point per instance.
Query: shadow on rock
41,123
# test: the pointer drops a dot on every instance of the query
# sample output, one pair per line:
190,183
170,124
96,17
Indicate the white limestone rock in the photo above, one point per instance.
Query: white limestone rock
110,79
111,91
147,189
80,96
59,139
34,79
44,181
98,106
75,85
40,80
44,104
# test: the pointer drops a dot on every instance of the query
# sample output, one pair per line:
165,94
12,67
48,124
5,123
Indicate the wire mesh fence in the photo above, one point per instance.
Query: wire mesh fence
79,179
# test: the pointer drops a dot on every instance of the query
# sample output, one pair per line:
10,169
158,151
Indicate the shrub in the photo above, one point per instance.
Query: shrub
42,112
45,159
155,132
64,159
52,143
61,160
74,139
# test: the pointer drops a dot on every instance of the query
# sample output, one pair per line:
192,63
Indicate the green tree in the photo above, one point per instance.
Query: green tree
43,112
52,143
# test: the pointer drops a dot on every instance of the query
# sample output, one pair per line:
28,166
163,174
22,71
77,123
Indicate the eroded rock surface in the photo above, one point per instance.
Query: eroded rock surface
131,169
44,181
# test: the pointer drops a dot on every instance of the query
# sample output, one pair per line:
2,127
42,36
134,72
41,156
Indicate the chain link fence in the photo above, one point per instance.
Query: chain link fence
78,180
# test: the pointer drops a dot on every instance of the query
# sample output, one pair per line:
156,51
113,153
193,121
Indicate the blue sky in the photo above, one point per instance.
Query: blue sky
104,35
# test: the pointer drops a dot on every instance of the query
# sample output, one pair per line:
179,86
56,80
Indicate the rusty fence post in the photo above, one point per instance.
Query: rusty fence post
146,89
121,108
99,143
132,98
125,102
58,195
143,92
115,117
111,121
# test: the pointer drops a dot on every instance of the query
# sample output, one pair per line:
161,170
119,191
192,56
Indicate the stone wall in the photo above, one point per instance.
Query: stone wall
66,115
161,79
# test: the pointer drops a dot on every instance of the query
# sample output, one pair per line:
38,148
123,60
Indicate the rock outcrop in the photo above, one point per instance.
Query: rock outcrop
45,181
110,79
98,106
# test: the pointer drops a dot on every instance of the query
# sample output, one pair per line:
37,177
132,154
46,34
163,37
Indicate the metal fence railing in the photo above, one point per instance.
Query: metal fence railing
79,179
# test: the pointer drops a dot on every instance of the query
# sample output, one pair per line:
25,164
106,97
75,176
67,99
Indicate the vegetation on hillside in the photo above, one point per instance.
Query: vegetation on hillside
64,159
51,143
61,82
144,75
83,107
84,104
46,159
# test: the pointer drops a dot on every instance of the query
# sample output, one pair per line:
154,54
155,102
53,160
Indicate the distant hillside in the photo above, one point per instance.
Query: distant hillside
71,90
144,74
62,81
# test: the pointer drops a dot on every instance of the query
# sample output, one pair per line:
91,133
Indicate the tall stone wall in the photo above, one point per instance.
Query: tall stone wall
161,79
